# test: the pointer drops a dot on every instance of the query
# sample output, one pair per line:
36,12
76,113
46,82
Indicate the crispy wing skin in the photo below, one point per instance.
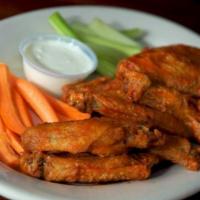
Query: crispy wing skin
180,151
87,169
176,66
119,109
194,102
161,98
133,83
175,103
144,138
98,136
73,136
80,96
110,100
165,100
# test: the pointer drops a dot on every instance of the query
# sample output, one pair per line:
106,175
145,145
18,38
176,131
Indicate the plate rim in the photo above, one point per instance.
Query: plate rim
101,6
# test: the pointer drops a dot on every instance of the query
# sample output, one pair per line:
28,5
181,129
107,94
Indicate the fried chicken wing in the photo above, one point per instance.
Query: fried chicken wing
87,169
79,94
110,100
118,109
176,66
161,98
98,136
133,83
175,103
145,115
180,151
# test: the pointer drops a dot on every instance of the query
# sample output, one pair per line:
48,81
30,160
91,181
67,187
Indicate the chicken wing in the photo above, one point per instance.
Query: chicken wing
110,100
98,136
173,102
87,169
133,83
176,66
161,98
80,95
180,151
119,109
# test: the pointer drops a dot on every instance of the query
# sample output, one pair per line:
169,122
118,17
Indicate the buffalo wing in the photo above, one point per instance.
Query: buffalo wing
176,66
98,136
87,169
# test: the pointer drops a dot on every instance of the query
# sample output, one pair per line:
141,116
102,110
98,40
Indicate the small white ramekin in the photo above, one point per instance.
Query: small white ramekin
49,79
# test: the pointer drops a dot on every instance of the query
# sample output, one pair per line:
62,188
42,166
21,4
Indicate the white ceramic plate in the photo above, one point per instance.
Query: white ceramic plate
172,183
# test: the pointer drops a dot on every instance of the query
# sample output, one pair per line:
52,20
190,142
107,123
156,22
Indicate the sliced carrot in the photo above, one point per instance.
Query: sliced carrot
61,107
36,119
7,106
35,98
22,109
62,118
7,155
12,79
15,142
2,127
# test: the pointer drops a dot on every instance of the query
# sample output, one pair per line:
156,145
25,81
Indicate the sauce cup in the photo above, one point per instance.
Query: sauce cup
39,61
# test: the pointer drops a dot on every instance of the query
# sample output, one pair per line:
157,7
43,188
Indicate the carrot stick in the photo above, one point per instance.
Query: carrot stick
7,106
2,127
7,155
35,118
61,107
62,118
35,98
15,142
22,109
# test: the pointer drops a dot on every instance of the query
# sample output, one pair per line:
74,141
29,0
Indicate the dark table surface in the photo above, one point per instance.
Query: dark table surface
185,12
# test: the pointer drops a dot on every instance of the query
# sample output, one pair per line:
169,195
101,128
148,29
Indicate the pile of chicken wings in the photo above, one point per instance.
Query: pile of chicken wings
149,113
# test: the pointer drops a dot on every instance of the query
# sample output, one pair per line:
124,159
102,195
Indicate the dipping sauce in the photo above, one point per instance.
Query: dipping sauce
52,61
65,58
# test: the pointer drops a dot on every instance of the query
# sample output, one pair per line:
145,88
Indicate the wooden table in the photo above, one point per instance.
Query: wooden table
185,12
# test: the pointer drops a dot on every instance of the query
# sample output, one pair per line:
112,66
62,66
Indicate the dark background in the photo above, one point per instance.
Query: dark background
185,12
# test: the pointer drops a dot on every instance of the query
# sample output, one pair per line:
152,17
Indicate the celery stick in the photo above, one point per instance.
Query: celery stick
107,32
110,54
81,28
108,59
106,68
60,25
134,33
63,28
126,49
